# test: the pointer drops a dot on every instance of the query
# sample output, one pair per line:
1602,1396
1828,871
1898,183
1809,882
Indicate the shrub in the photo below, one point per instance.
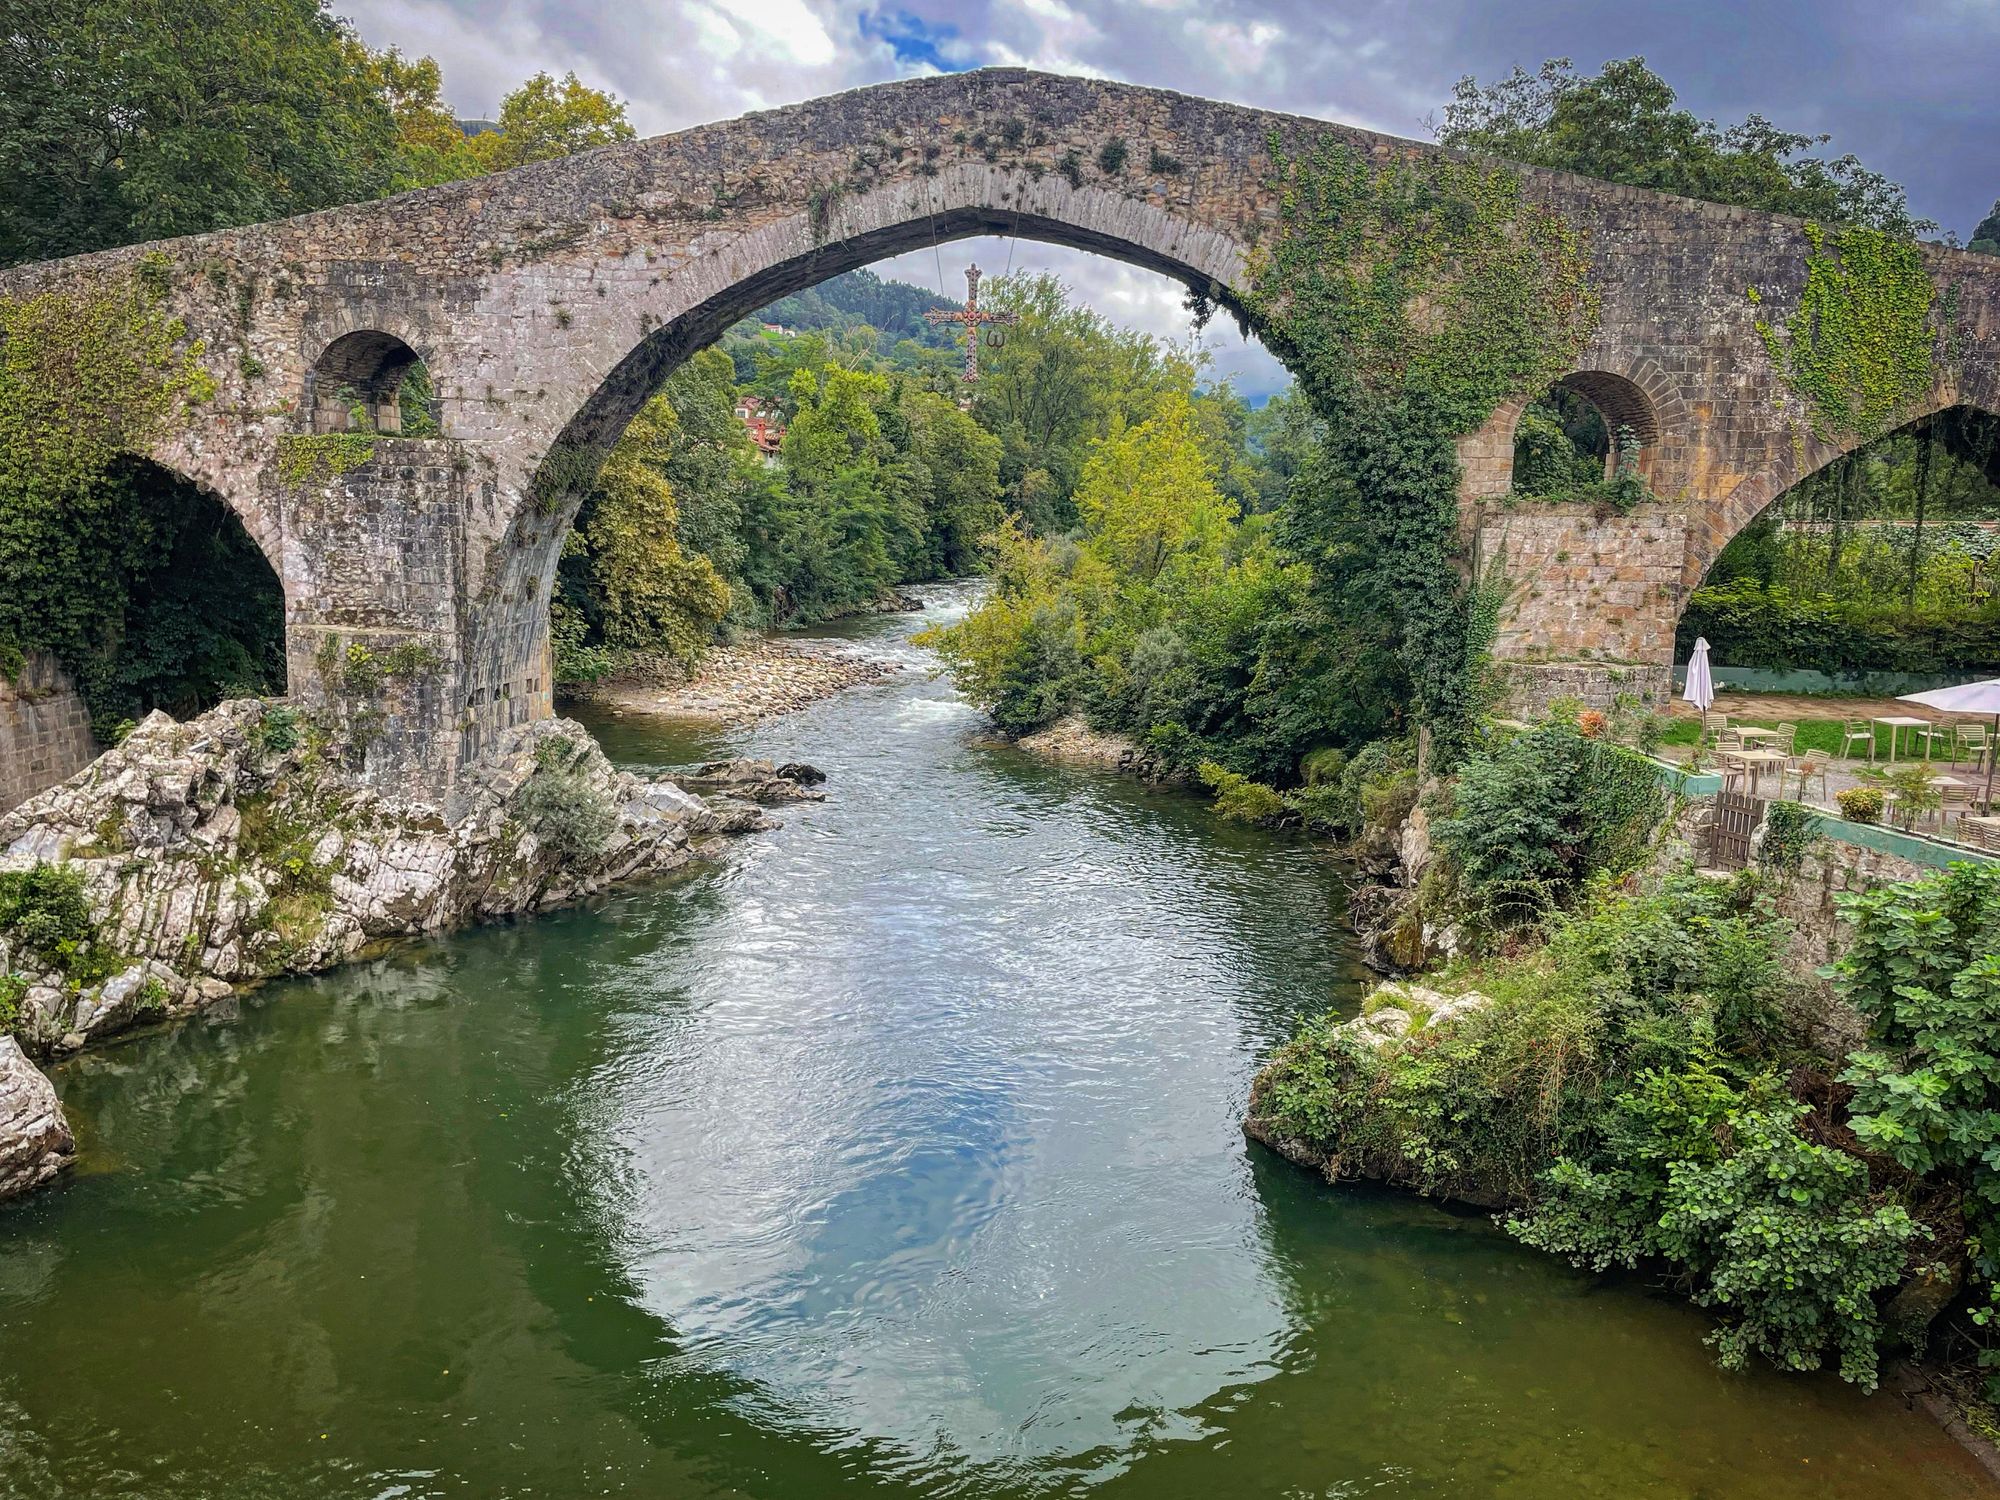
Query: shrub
1720,1184
43,908
1861,804
572,817
1239,799
1923,970
277,733
1486,1105
13,990
1752,624
1536,814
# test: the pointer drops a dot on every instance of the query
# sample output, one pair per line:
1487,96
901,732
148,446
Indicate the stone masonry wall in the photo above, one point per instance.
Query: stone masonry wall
44,731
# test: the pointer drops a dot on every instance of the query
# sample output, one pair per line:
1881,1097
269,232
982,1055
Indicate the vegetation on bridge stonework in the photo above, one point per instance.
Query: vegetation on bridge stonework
1409,298
1860,350
122,572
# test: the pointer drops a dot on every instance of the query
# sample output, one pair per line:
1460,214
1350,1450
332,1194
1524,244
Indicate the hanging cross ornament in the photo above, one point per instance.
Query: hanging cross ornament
971,318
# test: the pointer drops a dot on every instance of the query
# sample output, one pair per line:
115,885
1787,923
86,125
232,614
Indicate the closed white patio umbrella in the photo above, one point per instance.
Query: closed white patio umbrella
1700,688
1967,698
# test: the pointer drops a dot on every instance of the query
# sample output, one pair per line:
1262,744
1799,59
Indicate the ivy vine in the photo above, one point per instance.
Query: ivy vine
1861,348
305,458
1410,297
87,378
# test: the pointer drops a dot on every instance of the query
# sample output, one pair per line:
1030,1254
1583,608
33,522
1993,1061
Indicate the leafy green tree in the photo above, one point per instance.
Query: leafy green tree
650,594
1624,124
145,119
545,118
1986,236
432,148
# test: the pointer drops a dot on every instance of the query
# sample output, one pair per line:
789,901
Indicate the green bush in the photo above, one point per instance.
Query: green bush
44,910
572,818
277,733
1861,804
1482,1107
1537,814
13,990
1239,799
1624,1091
1749,623
1721,1185
1923,969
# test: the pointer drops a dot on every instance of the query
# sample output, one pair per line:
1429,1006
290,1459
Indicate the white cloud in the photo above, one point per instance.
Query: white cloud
1128,295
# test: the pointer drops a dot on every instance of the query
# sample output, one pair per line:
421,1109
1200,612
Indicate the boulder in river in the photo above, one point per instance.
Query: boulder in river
35,1142
756,780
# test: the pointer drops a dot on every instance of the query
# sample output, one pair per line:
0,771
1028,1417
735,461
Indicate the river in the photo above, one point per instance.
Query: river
896,1155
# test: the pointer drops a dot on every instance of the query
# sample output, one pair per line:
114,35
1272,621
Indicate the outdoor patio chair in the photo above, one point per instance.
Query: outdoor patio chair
1789,740
1970,738
1805,769
1979,837
1957,803
1855,731
1945,730
1728,739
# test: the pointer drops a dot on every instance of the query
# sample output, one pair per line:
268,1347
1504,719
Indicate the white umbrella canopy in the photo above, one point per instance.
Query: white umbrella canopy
1967,698
1700,688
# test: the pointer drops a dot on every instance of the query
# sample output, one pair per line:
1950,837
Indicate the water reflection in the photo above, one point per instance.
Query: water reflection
898,1156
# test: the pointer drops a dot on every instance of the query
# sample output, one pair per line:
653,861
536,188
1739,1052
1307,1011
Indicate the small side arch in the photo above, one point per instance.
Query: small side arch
363,381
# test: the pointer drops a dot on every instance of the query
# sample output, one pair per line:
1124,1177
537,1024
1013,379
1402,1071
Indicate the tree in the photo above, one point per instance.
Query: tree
1623,124
544,119
650,594
431,146
1986,237
124,122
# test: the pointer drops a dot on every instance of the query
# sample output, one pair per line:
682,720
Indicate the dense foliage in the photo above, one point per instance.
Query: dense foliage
1924,971
1752,624
1629,1092
1623,124
1536,815
879,481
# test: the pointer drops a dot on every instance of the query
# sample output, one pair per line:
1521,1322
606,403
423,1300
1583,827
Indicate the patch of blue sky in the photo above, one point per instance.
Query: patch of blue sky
915,40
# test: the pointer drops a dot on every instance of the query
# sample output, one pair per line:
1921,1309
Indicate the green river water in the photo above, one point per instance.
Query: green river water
897,1155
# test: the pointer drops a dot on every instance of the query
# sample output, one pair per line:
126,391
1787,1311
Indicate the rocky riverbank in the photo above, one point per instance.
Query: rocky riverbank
195,857
1073,742
742,683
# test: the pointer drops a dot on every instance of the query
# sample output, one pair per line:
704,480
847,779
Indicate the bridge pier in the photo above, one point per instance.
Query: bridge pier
376,610
1590,600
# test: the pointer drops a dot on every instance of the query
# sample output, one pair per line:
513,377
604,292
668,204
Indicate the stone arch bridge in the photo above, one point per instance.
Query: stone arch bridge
548,302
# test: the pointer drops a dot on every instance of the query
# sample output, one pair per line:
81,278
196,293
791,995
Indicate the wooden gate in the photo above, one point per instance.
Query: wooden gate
1737,815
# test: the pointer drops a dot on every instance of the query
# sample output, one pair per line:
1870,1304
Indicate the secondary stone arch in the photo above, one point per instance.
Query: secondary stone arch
363,367
790,255
1714,527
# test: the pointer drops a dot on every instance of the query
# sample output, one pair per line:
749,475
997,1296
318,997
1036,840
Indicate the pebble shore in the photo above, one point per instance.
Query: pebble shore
751,680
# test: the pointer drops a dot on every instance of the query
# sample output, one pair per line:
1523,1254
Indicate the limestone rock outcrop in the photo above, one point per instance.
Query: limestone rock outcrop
35,1142
237,846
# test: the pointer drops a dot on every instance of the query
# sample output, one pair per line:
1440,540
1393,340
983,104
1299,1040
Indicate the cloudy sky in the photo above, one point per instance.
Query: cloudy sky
1911,87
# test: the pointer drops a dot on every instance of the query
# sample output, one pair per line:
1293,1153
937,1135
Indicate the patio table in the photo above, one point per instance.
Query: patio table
1755,761
1761,734
1897,723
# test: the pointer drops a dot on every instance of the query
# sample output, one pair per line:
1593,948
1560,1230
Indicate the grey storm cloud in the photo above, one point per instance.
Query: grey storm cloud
1909,88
